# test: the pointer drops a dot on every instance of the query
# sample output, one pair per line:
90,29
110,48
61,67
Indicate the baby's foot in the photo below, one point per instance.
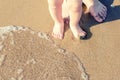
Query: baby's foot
58,31
97,10
77,31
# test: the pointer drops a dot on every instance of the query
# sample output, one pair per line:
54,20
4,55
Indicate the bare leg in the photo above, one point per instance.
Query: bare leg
55,8
97,9
65,13
75,11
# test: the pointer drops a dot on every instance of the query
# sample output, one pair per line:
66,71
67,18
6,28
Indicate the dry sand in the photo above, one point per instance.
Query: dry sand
100,53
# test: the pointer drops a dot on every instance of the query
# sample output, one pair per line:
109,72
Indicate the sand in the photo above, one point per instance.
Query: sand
99,54
30,55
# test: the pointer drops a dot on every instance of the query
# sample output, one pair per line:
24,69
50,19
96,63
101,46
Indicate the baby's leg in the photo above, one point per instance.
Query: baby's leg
65,13
75,11
55,8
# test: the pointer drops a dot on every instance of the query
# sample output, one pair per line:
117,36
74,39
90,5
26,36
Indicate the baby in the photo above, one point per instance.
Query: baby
59,9
74,10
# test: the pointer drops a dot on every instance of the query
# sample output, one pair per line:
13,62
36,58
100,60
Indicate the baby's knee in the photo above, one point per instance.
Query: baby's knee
75,5
55,3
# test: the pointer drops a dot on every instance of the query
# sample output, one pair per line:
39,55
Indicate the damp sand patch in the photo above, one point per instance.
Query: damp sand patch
29,55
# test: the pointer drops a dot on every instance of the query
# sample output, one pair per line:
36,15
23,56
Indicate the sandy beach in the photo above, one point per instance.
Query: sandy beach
28,52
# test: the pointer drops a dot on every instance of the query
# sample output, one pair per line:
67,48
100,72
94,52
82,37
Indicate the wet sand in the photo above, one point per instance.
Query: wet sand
99,54
29,55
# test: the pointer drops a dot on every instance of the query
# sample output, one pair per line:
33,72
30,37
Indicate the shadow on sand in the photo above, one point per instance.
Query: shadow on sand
87,21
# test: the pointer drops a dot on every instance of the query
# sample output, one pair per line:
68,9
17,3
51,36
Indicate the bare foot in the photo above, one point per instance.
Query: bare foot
97,10
77,31
58,30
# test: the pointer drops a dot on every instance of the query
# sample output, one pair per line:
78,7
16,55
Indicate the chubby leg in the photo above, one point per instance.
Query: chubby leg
97,9
75,12
55,8
65,12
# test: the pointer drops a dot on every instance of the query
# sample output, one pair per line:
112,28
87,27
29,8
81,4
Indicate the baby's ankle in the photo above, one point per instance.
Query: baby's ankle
58,23
74,25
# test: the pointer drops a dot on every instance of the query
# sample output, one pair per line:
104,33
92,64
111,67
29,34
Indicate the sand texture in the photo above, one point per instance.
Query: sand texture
32,54
28,55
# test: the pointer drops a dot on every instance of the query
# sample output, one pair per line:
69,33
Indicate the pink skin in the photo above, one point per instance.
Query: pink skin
97,9
75,9
55,8
61,9
75,12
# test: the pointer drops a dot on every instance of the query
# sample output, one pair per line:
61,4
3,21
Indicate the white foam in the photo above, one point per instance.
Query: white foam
7,29
81,68
44,36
